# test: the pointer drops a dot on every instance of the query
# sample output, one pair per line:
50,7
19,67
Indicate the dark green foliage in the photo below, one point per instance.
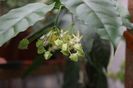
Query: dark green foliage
100,53
99,57
96,79
71,75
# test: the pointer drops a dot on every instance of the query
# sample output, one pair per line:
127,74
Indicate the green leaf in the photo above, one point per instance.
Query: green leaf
96,78
122,8
47,55
18,20
100,54
23,44
88,36
18,3
99,15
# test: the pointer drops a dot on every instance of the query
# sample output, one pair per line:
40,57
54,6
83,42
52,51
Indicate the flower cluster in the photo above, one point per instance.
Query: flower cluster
65,42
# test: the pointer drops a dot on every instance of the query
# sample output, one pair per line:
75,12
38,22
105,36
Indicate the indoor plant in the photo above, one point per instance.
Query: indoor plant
98,22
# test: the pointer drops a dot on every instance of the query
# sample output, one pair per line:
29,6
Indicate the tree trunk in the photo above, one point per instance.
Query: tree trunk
129,52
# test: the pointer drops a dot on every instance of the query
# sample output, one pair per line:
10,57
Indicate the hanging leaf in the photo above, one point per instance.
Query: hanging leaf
88,36
100,54
18,20
96,77
71,75
99,15
18,3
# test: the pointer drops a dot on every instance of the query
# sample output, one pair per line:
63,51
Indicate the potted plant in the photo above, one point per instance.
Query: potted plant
94,26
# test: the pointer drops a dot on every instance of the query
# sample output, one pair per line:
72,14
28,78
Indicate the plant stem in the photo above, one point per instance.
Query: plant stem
57,17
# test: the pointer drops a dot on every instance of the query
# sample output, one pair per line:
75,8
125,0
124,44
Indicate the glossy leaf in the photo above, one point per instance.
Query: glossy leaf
99,15
100,53
18,3
18,20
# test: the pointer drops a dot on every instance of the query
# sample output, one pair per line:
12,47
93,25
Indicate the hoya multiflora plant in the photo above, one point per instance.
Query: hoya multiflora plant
69,44
89,17
105,18
58,40
102,17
